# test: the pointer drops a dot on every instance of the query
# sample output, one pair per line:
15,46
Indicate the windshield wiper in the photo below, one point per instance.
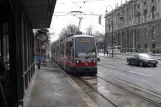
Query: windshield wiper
88,56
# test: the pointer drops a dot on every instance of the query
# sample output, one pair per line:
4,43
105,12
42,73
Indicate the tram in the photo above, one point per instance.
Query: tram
76,54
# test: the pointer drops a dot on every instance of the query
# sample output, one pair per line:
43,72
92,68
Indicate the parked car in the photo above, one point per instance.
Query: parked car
141,59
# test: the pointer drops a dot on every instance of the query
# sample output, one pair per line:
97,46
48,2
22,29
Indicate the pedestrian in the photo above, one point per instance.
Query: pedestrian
48,55
154,52
107,52
3,101
38,60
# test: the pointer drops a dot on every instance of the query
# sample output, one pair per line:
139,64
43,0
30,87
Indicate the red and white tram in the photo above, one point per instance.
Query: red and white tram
76,54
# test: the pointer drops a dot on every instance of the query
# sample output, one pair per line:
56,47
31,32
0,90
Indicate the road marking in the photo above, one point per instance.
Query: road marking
139,73
127,71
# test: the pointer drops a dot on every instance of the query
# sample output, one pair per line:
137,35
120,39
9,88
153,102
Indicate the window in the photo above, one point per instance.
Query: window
6,46
144,3
145,14
139,17
109,27
136,55
153,32
153,12
139,46
68,50
62,50
145,46
0,45
145,33
85,46
138,6
153,45
138,35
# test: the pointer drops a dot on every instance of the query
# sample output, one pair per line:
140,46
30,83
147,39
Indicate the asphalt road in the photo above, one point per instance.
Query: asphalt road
146,78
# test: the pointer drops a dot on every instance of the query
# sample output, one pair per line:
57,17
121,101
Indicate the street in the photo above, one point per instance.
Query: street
122,85
147,78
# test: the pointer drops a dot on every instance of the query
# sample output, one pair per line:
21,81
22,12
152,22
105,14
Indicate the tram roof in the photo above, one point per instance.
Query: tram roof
38,12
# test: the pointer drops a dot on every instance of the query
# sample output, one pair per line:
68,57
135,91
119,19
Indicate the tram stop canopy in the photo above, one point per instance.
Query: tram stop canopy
38,12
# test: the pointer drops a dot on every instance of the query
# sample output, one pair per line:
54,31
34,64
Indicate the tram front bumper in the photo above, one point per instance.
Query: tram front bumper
84,70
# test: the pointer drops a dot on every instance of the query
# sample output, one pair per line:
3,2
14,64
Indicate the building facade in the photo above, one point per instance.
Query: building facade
136,26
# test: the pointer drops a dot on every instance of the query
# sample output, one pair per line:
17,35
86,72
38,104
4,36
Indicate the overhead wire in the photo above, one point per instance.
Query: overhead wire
81,1
81,7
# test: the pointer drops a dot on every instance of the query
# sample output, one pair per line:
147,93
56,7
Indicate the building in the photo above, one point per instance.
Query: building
136,26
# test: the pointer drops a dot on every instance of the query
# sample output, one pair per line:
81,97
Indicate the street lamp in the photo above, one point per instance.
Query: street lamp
112,25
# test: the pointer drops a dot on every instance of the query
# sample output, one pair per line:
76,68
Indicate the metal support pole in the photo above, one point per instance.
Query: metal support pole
112,33
40,52
80,20
133,41
112,27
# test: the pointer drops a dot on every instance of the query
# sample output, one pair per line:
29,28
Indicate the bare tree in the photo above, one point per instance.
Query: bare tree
100,38
69,30
89,30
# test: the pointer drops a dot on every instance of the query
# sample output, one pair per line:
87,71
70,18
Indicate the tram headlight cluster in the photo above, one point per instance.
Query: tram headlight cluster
94,61
78,61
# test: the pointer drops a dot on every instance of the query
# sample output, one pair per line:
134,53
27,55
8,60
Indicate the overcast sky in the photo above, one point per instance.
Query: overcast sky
62,16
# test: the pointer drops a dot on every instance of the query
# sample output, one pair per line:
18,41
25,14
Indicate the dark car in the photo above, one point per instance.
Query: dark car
141,59
98,58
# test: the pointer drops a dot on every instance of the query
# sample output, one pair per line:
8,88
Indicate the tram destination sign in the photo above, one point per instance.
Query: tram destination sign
41,37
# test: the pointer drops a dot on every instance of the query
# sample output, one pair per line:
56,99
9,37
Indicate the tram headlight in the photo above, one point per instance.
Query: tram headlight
94,61
78,61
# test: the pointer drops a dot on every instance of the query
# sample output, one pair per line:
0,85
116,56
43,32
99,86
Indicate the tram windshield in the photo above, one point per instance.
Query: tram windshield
85,47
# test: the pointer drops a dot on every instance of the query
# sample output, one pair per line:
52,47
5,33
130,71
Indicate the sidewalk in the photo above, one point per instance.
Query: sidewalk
51,88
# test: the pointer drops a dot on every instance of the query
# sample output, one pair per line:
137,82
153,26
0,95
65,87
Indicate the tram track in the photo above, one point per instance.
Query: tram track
130,84
120,87
97,92
136,94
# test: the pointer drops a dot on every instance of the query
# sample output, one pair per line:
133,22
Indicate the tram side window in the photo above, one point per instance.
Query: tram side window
57,51
62,50
68,50
6,50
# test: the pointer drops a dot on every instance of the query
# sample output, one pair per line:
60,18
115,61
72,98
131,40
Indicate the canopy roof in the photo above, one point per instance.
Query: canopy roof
38,12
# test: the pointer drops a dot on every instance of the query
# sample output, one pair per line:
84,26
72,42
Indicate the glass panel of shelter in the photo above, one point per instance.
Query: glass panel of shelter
4,44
